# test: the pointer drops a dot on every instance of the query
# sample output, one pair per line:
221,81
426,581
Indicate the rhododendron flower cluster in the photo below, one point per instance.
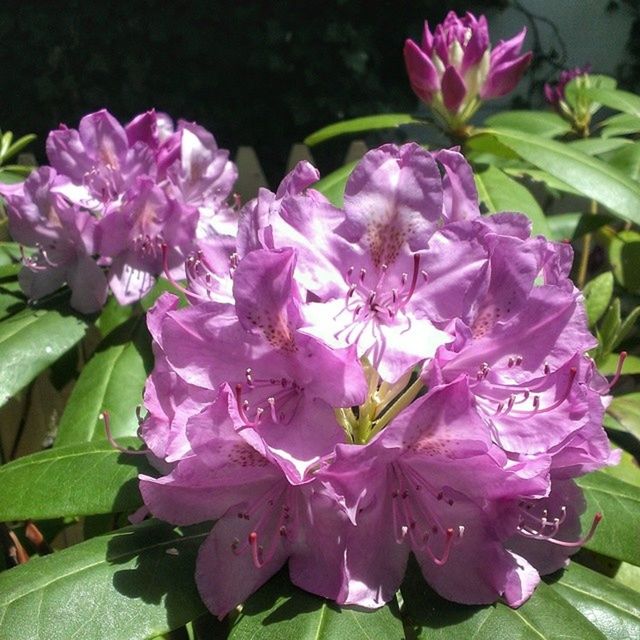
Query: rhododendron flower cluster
454,68
351,385
118,206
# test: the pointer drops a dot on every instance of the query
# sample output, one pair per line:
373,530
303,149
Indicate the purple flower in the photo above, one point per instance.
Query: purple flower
401,365
149,233
262,520
422,485
64,237
454,68
98,160
131,199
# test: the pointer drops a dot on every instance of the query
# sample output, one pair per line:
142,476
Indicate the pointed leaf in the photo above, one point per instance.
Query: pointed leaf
619,125
541,123
113,381
590,176
82,479
624,256
626,410
499,192
135,583
545,616
33,339
279,610
618,534
608,367
359,125
611,607
598,294
596,146
615,99
332,185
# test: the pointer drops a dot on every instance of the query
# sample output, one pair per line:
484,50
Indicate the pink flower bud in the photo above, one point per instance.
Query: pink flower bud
454,68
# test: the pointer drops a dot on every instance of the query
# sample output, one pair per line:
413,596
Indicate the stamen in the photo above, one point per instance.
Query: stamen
621,358
449,535
104,416
539,535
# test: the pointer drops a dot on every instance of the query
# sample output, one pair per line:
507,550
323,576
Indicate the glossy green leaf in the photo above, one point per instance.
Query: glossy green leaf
545,616
280,611
616,99
499,192
33,339
627,470
609,328
624,256
611,607
9,253
538,175
17,147
76,480
619,125
12,175
628,575
133,584
627,160
626,410
631,365
619,502
11,299
333,185
590,176
598,294
360,125
596,146
541,123
113,381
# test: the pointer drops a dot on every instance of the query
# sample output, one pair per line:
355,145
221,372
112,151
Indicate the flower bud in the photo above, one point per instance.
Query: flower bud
454,68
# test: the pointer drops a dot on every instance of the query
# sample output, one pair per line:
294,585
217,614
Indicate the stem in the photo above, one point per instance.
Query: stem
587,242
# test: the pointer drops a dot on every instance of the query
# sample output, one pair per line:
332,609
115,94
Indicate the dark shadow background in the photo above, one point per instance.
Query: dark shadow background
259,73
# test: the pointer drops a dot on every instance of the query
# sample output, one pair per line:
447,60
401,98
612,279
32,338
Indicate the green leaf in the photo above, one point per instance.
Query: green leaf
541,123
279,610
590,176
33,339
11,299
627,160
545,616
77,480
563,225
619,502
332,185
358,125
619,125
136,583
627,470
611,607
13,175
610,364
596,146
624,256
499,192
626,410
538,175
113,381
610,327
615,99
598,294
18,146
628,575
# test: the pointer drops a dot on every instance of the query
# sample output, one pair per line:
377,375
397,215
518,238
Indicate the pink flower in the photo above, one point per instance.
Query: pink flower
454,69
401,367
